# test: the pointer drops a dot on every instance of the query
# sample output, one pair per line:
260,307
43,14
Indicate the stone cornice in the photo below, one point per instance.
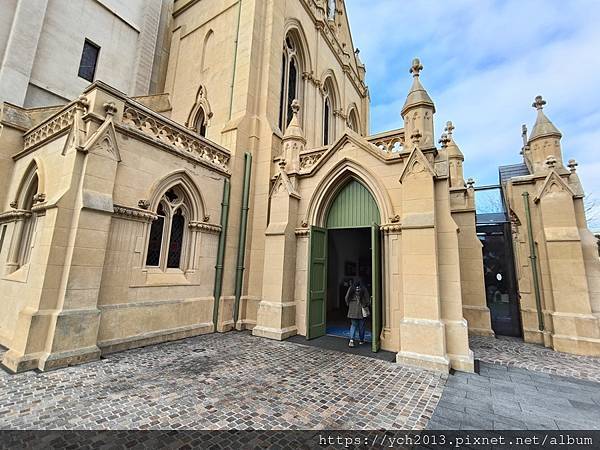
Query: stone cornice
205,227
159,130
139,215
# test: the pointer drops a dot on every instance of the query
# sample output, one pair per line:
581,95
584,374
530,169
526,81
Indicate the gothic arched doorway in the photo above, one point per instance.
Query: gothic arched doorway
345,249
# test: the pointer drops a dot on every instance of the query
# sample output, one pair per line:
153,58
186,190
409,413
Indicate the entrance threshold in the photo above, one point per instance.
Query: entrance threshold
339,344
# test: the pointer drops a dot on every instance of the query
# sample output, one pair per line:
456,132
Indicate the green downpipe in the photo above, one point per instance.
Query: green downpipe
239,274
221,251
533,259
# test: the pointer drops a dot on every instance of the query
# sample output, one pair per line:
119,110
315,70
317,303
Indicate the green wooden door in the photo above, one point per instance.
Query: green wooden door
376,304
317,284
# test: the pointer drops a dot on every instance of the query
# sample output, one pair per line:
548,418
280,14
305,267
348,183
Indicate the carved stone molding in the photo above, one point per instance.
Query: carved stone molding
391,228
181,141
302,232
205,227
50,128
390,142
125,212
14,215
310,159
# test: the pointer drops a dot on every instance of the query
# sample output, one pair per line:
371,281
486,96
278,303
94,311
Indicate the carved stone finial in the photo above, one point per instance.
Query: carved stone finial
144,204
449,128
110,108
357,51
416,137
416,67
295,106
551,162
444,140
82,103
539,103
573,165
470,183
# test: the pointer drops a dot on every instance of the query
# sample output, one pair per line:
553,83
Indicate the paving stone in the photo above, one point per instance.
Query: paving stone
224,381
513,353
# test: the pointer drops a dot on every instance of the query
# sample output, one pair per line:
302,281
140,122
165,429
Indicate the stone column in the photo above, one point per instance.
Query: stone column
575,328
276,318
422,332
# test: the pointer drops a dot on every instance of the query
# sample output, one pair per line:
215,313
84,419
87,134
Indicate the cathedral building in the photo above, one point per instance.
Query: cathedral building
245,192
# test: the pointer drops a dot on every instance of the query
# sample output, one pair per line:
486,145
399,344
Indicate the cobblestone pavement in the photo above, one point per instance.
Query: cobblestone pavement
225,381
514,352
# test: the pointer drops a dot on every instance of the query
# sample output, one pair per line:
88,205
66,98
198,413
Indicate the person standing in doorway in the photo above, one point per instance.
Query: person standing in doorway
358,301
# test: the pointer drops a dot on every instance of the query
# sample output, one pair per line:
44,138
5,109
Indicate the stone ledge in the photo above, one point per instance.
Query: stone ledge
153,338
437,363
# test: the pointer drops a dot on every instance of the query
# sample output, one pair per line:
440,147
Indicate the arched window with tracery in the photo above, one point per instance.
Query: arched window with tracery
353,122
329,104
25,218
168,239
290,80
31,195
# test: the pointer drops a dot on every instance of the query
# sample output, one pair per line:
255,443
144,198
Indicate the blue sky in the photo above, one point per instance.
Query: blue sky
485,61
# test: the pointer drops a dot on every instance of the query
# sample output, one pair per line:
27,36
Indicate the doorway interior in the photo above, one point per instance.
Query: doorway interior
349,260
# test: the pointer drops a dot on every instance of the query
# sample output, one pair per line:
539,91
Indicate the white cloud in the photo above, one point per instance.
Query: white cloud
485,61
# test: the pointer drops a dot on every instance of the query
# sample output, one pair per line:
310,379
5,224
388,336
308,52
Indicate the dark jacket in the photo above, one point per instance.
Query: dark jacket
356,301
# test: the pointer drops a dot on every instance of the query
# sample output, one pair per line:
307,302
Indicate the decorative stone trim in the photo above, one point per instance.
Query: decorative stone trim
311,158
177,138
390,142
14,215
139,215
49,128
320,20
391,228
205,227
302,232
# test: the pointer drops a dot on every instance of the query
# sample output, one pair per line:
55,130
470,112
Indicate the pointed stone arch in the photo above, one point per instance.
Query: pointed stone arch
200,111
35,168
353,119
184,180
294,28
335,180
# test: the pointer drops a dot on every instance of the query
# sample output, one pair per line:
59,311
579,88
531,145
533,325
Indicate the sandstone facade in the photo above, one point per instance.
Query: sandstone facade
130,221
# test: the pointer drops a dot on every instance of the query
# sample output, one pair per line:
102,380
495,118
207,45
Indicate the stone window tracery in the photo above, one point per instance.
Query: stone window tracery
329,105
290,81
168,237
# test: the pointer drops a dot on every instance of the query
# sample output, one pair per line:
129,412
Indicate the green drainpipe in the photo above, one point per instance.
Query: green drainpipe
239,275
533,259
221,251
